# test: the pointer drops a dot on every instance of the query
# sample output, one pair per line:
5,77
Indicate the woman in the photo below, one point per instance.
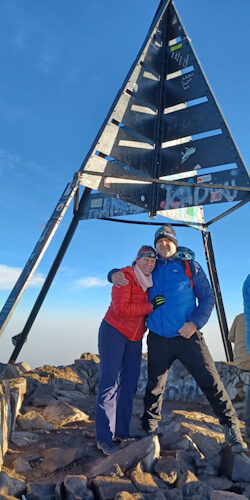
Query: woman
120,345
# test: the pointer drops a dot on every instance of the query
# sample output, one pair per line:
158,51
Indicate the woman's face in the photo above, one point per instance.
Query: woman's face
146,264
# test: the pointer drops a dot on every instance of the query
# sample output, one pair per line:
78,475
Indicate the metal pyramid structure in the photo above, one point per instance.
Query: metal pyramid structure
164,125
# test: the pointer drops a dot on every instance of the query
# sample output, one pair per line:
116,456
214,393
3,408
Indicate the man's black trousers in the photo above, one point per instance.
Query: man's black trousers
195,356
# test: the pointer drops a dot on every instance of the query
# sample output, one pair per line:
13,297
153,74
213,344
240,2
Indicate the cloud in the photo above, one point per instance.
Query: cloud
90,282
9,276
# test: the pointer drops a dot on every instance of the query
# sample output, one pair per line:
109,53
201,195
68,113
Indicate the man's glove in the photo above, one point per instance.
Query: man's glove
157,301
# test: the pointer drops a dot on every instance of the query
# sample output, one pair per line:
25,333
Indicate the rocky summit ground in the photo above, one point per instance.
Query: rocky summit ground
52,452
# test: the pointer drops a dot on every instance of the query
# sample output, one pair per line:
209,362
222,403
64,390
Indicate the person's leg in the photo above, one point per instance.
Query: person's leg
195,356
111,348
247,410
160,358
130,371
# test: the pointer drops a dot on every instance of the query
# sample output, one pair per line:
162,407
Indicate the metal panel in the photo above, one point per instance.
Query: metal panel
181,56
188,196
185,88
100,205
190,121
137,158
203,153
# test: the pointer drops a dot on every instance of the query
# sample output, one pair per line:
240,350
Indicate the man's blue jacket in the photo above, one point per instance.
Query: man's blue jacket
182,302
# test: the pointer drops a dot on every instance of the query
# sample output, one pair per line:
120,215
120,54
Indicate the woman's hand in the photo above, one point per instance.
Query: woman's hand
118,279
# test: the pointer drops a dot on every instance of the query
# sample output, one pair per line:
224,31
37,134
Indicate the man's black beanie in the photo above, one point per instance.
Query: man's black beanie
166,231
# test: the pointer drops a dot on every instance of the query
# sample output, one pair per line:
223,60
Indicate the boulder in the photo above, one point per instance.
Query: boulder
59,414
128,457
11,485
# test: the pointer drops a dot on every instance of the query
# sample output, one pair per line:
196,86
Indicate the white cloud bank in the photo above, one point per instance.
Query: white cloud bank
9,276
90,282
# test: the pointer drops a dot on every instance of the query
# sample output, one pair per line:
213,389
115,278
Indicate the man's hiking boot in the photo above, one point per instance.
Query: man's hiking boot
107,447
234,438
143,433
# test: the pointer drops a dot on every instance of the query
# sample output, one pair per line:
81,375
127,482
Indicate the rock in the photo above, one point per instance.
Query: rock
32,421
56,458
190,485
235,466
55,400
241,488
144,481
197,488
40,491
21,466
226,495
186,477
18,389
92,358
128,457
43,395
218,483
174,495
5,416
207,469
74,398
8,497
105,488
34,453
208,442
167,469
21,438
13,371
11,485
76,488
116,471
59,413
158,495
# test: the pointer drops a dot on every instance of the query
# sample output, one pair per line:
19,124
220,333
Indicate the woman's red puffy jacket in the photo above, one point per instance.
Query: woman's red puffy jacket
128,308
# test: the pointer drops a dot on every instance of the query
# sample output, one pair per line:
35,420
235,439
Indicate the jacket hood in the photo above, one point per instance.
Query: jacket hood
183,253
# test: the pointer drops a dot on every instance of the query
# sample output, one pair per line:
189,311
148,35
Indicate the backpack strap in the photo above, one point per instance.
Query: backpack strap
188,272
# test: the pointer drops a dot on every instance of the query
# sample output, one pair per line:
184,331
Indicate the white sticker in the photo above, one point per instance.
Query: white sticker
204,178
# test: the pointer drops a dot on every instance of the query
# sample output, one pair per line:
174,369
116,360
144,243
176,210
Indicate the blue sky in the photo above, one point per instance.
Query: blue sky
62,64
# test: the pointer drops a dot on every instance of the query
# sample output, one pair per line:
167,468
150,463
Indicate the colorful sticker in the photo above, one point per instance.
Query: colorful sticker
176,47
59,207
106,183
185,154
175,204
204,178
215,196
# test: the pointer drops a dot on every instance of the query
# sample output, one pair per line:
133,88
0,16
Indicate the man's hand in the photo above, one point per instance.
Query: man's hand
118,279
188,329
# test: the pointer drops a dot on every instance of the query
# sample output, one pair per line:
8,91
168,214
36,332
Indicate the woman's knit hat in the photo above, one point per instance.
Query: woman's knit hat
166,231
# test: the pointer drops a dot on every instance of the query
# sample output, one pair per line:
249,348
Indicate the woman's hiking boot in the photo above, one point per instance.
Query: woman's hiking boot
107,447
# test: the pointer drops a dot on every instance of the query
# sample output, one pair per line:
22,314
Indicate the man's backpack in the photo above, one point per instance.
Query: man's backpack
188,272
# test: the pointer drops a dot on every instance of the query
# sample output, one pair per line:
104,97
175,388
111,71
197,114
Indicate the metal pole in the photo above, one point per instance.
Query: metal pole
51,274
207,242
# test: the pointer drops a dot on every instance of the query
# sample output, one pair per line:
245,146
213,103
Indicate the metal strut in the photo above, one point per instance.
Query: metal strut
207,242
20,339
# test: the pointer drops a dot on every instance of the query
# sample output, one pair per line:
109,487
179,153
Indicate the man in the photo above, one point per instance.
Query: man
174,334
